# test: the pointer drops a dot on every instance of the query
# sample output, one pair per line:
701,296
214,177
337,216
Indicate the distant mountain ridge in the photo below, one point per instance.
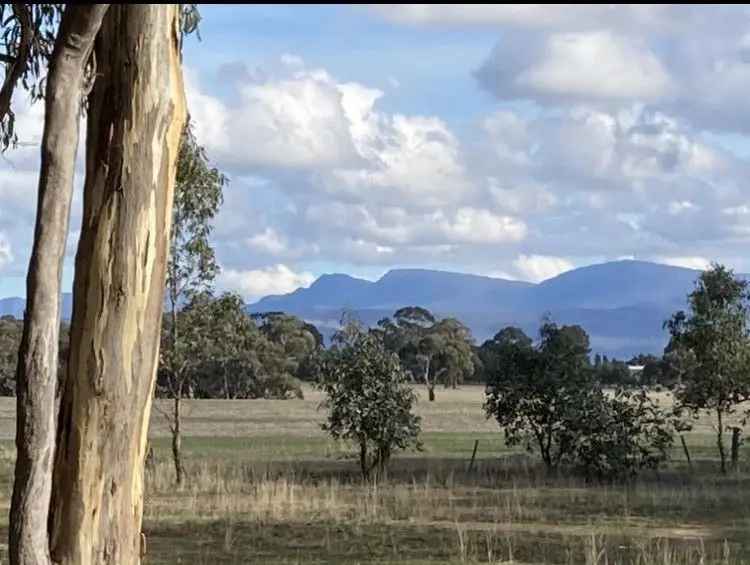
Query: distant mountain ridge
622,304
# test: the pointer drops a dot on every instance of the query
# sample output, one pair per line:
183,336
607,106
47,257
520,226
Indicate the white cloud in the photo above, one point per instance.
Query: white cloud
6,254
529,16
698,263
269,241
295,120
256,283
471,225
595,64
537,268
680,207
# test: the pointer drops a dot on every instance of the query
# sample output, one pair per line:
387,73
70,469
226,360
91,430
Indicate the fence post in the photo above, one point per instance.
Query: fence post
687,453
473,455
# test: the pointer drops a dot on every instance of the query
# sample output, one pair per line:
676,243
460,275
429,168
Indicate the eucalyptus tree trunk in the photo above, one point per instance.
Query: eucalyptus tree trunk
135,120
177,437
36,375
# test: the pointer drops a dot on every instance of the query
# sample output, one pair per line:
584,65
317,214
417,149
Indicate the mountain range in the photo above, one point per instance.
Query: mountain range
621,304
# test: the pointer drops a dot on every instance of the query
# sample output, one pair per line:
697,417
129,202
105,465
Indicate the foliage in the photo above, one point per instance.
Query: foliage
298,342
368,399
11,332
192,265
613,373
710,349
225,354
10,340
537,392
616,436
494,351
429,349
27,38
198,196
546,397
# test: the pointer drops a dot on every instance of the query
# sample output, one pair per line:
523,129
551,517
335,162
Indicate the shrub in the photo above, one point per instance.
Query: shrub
369,400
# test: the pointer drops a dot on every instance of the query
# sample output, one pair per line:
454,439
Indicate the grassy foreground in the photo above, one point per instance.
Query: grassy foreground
266,486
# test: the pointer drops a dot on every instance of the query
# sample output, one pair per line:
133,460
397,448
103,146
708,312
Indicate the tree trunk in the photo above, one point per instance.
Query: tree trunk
430,384
736,443
364,467
36,375
177,439
720,439
136,115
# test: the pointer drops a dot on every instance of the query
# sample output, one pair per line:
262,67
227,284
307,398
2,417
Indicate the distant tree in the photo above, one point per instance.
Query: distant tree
653,369
368,398
11,331
431,350
618,435
537,392
10,340
299,341
494,352
546,398
350,328
711,341
191,268
229,357
453,358
614,373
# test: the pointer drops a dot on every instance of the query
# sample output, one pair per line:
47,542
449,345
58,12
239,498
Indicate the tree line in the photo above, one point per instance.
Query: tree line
546,395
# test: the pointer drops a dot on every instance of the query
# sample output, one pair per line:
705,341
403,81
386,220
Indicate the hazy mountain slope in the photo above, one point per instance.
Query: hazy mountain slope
622,304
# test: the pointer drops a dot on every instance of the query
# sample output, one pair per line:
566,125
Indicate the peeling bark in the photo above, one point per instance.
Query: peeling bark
136,116
38,356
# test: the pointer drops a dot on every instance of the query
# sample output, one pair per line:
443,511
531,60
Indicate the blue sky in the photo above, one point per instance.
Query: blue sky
510,141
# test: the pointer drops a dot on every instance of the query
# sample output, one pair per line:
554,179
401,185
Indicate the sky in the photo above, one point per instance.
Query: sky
508,141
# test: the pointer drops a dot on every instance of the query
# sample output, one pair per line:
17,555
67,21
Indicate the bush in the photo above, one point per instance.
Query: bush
536,393
615,437
547,399
369,400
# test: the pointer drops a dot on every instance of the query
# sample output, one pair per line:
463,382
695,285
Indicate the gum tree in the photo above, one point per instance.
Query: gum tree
712,339
78,490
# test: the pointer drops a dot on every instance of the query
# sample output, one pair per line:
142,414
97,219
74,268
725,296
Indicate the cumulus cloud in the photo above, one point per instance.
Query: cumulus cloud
256,283
268,241
297,120
698,263
605,137
558,68
531,16
6,254
587,65
692,61
406,194
537,268
523,193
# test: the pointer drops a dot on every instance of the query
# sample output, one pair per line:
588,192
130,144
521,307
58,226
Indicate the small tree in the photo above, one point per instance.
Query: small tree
435,350
191,269
711,342
617,436
547,398
369,400
537,392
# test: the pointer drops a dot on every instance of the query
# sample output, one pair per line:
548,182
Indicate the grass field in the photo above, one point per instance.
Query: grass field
266,486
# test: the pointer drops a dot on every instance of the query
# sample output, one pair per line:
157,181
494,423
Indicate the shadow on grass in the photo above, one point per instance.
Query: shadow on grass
234,541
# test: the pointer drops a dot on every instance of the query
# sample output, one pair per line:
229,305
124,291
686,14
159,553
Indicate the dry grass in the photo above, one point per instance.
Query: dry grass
266,486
